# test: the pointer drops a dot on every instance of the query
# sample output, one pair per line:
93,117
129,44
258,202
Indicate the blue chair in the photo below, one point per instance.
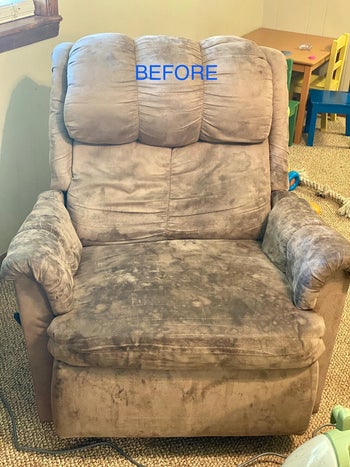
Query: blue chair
331,81
321,102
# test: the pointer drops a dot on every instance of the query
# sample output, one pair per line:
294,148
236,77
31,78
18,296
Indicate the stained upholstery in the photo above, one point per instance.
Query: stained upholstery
47,249
188,403
184,304
61,145
303,247
137,192
173,192
170,266
113,107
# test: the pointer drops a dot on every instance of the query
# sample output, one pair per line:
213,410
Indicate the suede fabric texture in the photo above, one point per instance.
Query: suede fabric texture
278,150
184,304
149,248
47,249
105,104
213,402
60,156
141,193
299,243
238,62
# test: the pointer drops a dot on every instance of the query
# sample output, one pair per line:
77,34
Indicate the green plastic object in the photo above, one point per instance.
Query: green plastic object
340,436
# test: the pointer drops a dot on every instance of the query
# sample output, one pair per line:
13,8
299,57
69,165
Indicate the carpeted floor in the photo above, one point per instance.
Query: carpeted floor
327,162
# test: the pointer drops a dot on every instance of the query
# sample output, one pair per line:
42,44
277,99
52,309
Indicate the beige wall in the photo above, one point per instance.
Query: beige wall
320,17
25,80
195,19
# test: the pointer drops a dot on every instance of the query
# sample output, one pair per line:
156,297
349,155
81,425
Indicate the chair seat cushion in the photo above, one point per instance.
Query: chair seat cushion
184,304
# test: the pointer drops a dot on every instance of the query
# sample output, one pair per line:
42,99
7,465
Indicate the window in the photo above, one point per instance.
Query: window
36,20
15,9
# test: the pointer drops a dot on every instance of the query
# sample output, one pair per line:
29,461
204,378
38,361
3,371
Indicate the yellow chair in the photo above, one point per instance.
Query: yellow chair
292,106
331,81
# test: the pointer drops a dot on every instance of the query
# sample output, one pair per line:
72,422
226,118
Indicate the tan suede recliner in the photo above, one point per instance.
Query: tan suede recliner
168,283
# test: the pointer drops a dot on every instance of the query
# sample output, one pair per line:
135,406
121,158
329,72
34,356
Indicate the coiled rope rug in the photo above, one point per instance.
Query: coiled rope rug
324,191
324,170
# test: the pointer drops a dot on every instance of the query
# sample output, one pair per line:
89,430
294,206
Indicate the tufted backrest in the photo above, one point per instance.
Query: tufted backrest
164,137
106,104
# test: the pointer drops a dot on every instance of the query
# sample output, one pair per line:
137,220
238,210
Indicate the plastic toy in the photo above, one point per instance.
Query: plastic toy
305,46
315,207
294,180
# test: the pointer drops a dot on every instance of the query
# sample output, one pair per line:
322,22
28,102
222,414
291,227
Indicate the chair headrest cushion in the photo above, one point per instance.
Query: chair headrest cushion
167,91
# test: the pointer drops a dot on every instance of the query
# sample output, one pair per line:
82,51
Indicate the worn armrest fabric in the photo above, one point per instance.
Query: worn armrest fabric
47,249
301,245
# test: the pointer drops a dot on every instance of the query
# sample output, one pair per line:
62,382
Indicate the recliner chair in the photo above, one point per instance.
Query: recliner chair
168,283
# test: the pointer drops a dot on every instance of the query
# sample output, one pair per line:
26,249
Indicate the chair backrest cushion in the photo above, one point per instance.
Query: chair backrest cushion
190,148
137,192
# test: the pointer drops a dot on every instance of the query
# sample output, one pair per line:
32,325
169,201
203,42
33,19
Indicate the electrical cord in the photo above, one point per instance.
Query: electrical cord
264,454
92,445
115,447
282,456
69,450
326,425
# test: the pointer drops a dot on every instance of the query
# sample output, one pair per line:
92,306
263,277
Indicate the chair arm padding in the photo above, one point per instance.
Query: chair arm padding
302,246
47,249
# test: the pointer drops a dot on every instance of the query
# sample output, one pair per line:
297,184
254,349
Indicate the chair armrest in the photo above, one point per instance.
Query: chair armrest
47,249
302,246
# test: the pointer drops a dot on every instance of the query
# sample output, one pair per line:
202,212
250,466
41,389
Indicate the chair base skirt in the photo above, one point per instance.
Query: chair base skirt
108,402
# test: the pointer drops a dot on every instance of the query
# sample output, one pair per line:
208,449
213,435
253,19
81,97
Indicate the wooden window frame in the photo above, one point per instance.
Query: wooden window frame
43,25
